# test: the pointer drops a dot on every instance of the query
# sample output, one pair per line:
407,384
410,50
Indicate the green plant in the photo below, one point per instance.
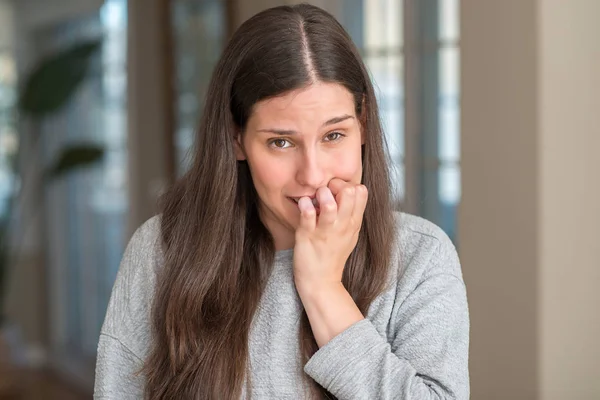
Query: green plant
47,89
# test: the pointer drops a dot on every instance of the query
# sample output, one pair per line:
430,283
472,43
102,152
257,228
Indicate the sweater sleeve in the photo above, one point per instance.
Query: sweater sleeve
427,355
116,369
124,337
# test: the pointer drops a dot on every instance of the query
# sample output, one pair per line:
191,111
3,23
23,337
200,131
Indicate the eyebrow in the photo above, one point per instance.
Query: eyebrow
332,121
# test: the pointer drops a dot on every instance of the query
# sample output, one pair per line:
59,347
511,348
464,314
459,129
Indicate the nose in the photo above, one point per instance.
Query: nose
310,170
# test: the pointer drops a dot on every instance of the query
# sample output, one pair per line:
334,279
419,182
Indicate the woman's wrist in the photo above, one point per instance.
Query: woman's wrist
330,309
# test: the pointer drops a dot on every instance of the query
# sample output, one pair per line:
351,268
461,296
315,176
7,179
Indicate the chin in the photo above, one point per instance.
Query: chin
281,218
292,221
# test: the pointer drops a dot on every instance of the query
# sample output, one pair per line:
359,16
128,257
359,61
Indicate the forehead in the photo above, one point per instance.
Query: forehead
315,103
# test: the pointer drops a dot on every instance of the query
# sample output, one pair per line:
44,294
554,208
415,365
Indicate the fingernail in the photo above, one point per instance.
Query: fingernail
329,195
305,204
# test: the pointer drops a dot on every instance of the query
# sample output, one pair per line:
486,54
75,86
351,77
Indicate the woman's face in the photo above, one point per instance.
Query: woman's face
295,144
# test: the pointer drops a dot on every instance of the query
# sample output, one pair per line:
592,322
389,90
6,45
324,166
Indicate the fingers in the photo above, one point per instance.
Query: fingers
360,204
345,195
328,207
340,201
351,200
308,214
336,185
346,199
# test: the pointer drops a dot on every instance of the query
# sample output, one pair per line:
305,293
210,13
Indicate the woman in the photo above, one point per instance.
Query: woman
277,268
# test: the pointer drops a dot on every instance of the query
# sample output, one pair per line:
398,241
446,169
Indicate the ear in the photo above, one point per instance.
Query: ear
240,154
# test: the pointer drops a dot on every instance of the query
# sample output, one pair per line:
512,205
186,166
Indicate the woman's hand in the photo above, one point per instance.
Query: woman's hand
324,242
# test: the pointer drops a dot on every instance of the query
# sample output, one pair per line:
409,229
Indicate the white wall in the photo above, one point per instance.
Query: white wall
569,212
498,227
529,224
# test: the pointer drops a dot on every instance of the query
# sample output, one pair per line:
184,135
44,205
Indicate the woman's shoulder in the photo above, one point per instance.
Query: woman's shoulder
128,313
141,259
424,246
147,233
145,244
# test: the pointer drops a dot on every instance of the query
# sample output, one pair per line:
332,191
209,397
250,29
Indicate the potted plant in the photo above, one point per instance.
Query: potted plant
50,86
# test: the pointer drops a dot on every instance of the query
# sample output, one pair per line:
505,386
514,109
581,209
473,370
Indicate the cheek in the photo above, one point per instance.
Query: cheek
347,165
269,175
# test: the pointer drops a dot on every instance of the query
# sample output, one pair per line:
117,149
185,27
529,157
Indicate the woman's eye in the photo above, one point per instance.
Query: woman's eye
279,143
333,136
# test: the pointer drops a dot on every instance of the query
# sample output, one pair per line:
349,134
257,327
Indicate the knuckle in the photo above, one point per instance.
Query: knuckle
309,213
362,189
349,191
328,207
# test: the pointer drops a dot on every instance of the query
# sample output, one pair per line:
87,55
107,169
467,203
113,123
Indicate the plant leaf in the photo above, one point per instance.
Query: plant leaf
73,157
50,86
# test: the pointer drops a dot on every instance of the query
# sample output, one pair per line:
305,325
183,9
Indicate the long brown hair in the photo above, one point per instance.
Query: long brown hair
217,253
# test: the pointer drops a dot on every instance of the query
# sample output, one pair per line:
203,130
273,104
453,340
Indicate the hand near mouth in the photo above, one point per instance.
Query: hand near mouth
323,243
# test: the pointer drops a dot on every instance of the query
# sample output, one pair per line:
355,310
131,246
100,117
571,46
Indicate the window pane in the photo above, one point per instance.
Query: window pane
449,107
448,115
449,180
86,208
382,24
449,71
449,194
382,39
438,98
449,20
387,77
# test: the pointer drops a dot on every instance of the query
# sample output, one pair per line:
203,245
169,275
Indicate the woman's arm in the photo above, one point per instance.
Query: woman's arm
116,368
125,337
330,310
427,357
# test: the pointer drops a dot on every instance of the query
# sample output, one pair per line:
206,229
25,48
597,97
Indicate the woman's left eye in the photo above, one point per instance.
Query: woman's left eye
333,136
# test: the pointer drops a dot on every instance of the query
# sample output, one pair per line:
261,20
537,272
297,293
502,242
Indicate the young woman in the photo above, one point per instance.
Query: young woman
277,268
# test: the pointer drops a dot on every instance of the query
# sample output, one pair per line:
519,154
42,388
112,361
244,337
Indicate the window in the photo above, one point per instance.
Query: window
86,209
411,48
449,114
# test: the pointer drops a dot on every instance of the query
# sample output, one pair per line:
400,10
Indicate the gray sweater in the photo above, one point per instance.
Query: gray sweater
413,343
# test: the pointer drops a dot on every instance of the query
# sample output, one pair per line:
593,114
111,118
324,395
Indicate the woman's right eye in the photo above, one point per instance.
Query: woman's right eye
279,143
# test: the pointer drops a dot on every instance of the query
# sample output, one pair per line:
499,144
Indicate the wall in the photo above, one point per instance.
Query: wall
569,207
530,215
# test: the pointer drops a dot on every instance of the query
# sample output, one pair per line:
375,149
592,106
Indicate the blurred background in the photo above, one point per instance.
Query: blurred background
491,110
